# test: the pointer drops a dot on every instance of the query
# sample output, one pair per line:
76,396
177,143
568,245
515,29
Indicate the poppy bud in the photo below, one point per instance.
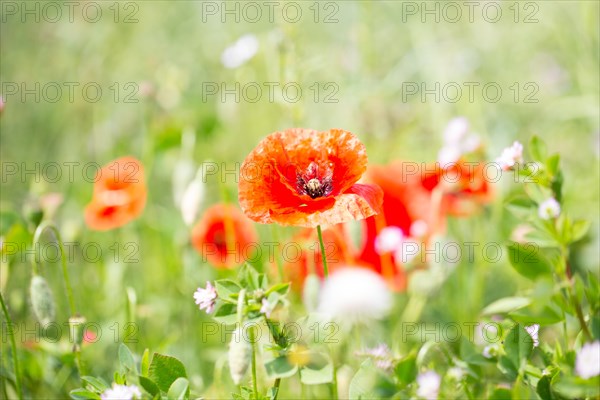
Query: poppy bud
42,300
240,351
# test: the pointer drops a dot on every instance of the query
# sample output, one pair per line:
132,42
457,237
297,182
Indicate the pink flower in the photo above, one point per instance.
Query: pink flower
510,156
206,298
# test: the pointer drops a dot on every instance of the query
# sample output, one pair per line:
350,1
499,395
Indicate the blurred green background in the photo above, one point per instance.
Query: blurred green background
154,72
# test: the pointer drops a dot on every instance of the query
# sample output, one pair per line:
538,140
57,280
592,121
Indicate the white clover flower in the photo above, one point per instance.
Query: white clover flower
206,298
449,155
510,156
355,294
381,355
240,52
456,373
267,308
121,392
388,240
457,141
419,228
549,209
534,331
587,363
429,385
456,130
489,351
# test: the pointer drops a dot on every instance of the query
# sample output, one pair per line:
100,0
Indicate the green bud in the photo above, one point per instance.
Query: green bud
42,300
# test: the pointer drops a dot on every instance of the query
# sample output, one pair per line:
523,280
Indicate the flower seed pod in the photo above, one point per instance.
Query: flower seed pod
42,300
240,351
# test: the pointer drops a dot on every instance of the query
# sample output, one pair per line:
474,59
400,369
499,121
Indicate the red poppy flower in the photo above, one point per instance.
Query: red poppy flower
307,178
307,257
119,194
405,202
464,186
224,236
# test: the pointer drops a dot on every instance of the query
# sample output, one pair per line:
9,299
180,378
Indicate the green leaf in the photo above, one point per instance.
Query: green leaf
501,394
506,366
149,385
225,313
406,369
145,362
553,163
312,375
126,358
98,384
518,345
579,229
83,394
281,288
505,305
528,261
537,149
363,383
280,367
543,388
250,278
164,370
546,316
226,288
179,389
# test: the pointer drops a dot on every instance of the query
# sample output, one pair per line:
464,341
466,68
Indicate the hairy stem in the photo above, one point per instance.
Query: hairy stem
323,255
13,344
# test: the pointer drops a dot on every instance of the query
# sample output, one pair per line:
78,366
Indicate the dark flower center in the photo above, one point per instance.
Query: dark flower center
314,184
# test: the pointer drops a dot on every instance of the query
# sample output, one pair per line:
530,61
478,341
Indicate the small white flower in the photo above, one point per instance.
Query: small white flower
121,392
449,155
456,130
267,308
549,209
429,385
489,351
510,156
206,298
388,240
534,331
355,294
456,373
419,228
381,355
240,52
587,363
457,141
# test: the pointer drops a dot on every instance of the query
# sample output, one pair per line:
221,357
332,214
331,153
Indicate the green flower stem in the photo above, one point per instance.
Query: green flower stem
13,344
323,255
276,386
563,273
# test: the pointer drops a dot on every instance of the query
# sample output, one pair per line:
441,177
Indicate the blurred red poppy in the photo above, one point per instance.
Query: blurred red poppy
463,185
303,253
224,236
307,178
405,202
119,195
